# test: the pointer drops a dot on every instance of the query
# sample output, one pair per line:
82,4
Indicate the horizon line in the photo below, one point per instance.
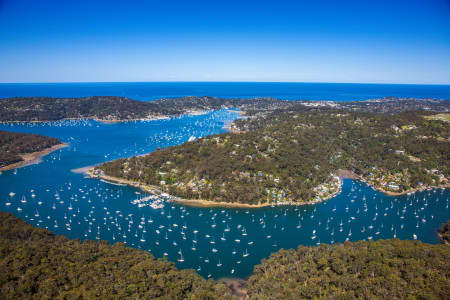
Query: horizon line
193,81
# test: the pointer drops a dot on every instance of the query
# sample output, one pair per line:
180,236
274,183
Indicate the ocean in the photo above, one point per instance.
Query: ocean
147,91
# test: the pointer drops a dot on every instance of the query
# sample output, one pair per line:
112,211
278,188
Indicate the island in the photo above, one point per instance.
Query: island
296,155
21,149
36,264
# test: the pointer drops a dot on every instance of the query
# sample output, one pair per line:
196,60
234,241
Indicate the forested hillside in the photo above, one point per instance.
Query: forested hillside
385,269
35,264
294,155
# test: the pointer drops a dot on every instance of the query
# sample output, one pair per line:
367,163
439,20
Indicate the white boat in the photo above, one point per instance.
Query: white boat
245,254
181,259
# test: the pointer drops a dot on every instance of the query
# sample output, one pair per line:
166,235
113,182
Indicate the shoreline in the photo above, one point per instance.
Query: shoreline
114,121
228,125
196,202
33,157
157,190
351,175
104,121
208,203
415,190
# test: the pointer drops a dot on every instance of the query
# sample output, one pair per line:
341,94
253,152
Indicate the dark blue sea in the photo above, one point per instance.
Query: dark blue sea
154,90
217,242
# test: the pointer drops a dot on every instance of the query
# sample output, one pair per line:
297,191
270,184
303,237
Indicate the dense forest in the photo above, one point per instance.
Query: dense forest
444,232
293,155
121,109
13,144
385,269
35,264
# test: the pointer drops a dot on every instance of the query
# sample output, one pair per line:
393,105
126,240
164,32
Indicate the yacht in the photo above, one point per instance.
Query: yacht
245,254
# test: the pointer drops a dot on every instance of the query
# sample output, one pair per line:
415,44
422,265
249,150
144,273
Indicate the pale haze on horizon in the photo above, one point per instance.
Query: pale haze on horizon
287,41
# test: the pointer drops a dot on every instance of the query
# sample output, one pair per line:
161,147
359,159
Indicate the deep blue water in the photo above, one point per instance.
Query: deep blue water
155,90
69,204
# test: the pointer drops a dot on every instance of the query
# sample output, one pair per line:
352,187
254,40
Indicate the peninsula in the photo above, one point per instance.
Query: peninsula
20,149
294,156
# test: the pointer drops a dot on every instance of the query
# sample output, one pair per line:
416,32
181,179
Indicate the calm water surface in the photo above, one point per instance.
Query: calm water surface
216,242
282,90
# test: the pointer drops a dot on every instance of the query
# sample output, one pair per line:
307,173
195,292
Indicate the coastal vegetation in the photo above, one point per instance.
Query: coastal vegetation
35,264
13,145
385,269
294,156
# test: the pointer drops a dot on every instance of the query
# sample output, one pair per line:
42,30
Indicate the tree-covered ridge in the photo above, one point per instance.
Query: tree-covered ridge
294,155
12,144
35,264
385,269
51,109
121,109
118,108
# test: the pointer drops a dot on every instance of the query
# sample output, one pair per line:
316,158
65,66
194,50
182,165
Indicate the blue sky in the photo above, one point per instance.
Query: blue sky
302,41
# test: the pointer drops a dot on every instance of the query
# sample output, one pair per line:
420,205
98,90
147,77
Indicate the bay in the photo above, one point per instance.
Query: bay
217,242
